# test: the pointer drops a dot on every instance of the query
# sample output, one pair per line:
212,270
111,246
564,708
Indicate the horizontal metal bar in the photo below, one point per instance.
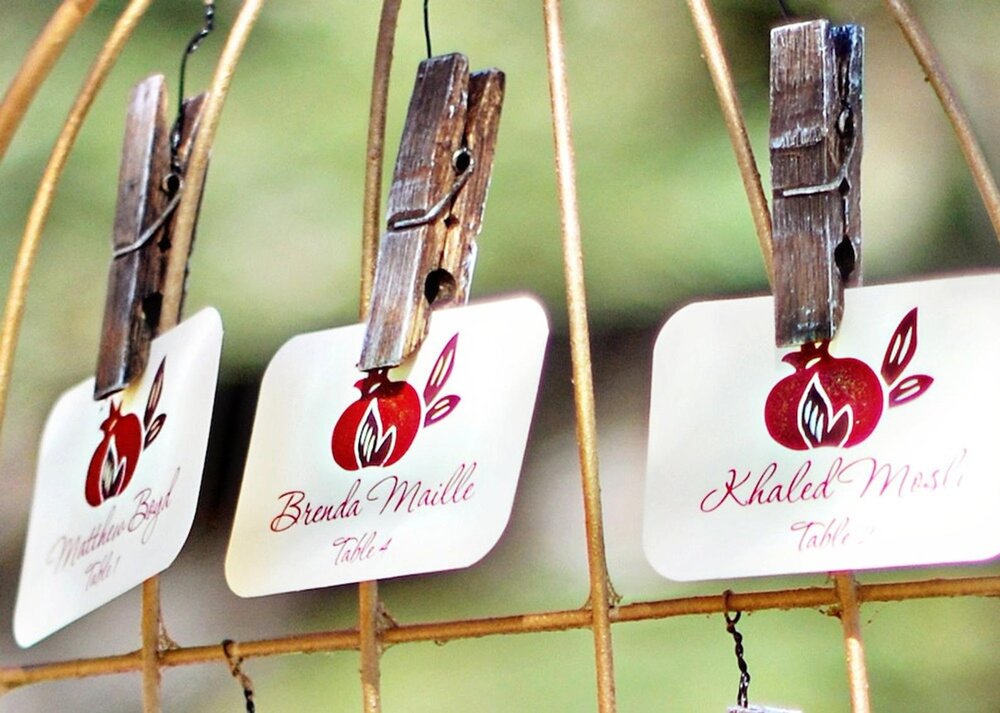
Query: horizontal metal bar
347,640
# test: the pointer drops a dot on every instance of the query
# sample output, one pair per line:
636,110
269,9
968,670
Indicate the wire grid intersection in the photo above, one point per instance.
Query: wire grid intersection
376,628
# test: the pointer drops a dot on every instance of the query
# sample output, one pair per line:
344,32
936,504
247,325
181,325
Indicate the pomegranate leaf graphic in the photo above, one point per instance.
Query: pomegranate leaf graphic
153,430
441,371
818,424
154,396
111,473
372,446
441,408
119,485
902,346
909,388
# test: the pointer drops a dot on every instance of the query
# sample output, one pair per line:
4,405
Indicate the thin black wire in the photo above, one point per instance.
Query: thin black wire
235,668
427,28
743,692
785,10
192,46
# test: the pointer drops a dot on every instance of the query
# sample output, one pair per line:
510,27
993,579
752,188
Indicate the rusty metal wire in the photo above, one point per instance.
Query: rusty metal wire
602,596
187,210
375,153
37,215
929,60
174,285
846,595
369,607
854,649
816,598
150,621
732,113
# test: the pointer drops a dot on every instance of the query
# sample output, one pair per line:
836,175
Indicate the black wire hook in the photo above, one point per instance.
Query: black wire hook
743,692
192,46
427,27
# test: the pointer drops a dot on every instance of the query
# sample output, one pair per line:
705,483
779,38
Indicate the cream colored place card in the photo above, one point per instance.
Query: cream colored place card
118,482
878,449
354,476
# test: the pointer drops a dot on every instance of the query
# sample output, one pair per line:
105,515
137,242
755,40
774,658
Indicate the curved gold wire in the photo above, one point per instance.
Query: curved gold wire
174,285
374,155
187,209
369,607
21,275
37,63
732,114
929,60
846,591
602,597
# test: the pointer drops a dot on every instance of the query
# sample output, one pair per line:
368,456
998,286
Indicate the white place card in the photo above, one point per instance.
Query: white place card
118,481
876,450
354,476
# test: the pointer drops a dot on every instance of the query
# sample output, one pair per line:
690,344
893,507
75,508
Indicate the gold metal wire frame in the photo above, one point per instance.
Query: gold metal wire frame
375,630
40,59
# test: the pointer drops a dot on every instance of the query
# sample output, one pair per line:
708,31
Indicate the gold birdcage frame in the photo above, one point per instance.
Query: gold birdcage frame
374,631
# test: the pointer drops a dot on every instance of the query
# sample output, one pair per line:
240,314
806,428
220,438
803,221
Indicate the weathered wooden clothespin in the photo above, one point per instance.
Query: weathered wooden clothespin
435,207
150,184
816,142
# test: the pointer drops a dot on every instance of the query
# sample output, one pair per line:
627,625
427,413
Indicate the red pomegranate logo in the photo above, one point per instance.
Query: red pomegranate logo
837,402
113,463
379,428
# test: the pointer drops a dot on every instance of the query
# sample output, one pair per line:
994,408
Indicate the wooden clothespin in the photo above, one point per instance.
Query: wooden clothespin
816,142
149,189
436,204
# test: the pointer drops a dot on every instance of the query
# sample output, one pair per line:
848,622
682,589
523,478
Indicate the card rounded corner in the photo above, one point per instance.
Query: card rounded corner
537,310
235,581
24,639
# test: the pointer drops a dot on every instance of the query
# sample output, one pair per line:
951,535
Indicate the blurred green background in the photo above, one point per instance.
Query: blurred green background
664,222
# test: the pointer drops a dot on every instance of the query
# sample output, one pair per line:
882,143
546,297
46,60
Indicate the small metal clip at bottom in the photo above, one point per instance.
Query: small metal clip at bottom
760,709
435,206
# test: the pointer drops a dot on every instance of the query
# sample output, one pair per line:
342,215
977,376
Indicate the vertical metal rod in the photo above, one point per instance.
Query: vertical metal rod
187,209
850,619
601,593
174,285
374,156
732,113
370,646
37,63
25,260
368,601
150,629
929,60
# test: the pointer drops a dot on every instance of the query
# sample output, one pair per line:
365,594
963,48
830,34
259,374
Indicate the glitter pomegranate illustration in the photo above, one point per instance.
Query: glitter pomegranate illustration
125,437
836,401
379,428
